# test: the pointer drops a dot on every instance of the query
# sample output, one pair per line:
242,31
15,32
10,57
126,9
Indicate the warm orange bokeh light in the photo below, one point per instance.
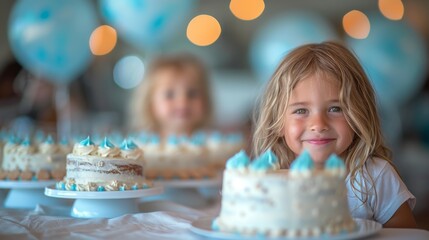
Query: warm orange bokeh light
203,30
391,9
103,40
356,24
247,9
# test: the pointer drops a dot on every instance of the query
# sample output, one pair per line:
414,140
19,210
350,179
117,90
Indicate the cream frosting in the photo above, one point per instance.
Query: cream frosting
84,150
109,152
48,148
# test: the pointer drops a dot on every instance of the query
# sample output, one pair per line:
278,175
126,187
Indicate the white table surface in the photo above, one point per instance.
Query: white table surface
170,221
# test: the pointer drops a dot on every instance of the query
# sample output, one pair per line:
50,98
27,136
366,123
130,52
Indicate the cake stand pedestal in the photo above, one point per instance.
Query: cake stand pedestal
108,204
195,193
27,194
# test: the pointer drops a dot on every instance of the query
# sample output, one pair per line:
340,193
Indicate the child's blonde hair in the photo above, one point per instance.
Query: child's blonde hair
140,113
357,99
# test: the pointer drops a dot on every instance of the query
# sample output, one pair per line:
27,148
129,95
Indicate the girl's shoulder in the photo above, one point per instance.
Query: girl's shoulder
378,166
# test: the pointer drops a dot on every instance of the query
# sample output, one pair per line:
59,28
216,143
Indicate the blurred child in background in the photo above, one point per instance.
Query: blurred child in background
173,99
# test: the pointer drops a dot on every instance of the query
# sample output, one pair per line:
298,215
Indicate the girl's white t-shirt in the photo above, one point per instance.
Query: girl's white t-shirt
391,192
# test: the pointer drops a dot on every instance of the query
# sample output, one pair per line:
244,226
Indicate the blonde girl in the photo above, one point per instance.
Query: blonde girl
320,99
173,98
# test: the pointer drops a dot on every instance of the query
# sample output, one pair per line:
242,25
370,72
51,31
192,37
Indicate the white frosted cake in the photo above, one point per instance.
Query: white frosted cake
195,157
174,157
26,160
223,146
104,167
258,199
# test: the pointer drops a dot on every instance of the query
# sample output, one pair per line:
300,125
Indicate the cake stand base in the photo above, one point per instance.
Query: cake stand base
28,194
103,204
103,208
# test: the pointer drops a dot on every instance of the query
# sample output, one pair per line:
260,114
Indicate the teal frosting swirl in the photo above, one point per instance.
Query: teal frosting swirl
154,139
49,140
173,140
128,145
106,143
86,142
334,162
215,225
303,162
64,141
26,142
267,161
239,160
13,140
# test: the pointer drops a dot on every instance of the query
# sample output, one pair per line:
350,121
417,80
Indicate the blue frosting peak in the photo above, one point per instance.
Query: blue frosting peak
13,139
128,145
86,142
155,139
26,142
334,162
302,162
234,137
64,141
268,160
215,225
106,143
216,136
173,140
49,140
200,135
239,160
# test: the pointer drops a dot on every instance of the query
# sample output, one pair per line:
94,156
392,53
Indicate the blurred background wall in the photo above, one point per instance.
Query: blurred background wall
392,48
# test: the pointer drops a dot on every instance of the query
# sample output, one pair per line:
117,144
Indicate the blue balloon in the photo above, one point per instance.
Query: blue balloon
284,33
50,38
147,24
394,57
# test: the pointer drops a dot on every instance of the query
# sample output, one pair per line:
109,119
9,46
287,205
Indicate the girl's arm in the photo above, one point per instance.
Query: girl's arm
402,218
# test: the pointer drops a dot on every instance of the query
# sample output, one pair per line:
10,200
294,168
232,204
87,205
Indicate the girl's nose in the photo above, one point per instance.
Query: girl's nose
318,123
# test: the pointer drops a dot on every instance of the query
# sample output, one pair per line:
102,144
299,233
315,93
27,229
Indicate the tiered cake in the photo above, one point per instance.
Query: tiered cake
259,199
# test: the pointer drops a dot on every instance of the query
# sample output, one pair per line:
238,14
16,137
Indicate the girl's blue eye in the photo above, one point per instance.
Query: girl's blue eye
335,109
300,111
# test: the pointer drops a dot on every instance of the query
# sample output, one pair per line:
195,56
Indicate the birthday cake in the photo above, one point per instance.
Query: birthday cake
26,160
179,157
175,157
259,199
104,167
223,146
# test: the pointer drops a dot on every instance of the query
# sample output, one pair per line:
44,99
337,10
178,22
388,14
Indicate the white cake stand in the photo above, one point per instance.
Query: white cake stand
196,193
27,194
108,204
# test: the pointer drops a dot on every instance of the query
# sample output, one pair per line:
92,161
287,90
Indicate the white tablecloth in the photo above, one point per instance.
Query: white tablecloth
171,222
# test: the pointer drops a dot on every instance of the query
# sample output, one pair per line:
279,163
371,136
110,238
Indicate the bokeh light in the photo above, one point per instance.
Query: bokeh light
247,9
103,40
391,9
128,72
203,30
356,24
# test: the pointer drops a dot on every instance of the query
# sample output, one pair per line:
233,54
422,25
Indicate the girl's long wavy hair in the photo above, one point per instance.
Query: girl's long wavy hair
357,99
140,116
